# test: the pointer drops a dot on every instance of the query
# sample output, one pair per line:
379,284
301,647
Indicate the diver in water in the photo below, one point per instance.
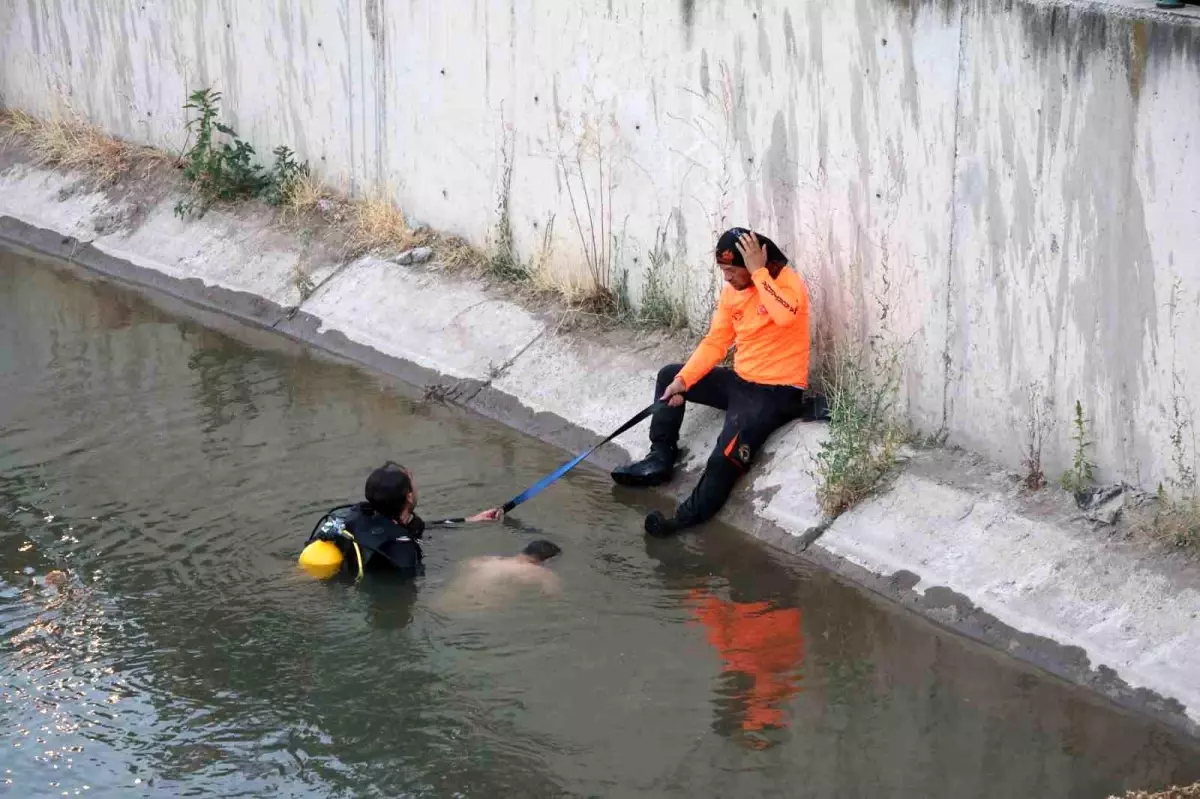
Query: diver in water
384,532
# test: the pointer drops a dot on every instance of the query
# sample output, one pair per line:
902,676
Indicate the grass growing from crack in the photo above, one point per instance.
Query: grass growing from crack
861,385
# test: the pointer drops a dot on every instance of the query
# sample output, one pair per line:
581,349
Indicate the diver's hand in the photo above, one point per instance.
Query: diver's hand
490,515
674,393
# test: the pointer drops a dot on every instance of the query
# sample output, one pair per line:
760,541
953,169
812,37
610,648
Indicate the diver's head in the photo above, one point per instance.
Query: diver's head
391,491
541,551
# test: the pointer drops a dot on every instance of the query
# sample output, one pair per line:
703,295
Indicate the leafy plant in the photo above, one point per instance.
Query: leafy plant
285,176
221,167
863,437
1081,476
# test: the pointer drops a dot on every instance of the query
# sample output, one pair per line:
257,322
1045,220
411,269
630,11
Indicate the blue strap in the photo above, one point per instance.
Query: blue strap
541,485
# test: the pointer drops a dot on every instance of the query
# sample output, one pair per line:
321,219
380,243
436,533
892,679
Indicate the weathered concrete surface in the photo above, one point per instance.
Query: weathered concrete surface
952,539
1040,574
440,322
1007,187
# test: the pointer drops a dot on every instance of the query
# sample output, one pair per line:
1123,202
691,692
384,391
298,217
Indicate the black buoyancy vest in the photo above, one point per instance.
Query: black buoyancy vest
383,542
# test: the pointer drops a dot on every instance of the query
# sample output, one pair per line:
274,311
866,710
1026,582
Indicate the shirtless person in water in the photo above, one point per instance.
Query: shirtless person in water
484,582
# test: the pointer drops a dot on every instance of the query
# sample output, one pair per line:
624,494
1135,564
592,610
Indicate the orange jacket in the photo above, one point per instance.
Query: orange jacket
761,642
769,323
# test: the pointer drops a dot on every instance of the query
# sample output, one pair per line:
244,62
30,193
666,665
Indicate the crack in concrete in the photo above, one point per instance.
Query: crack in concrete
290,313
472,307
497,372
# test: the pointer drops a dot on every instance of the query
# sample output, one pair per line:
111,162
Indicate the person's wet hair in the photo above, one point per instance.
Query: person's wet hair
388,488
541,550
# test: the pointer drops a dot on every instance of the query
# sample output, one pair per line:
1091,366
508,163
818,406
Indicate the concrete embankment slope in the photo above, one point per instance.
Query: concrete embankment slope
952,538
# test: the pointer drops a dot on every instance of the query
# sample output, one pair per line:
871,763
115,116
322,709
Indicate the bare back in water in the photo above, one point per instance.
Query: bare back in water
490,581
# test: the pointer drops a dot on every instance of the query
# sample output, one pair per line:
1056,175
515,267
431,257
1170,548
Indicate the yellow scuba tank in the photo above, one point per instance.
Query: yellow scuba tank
321,559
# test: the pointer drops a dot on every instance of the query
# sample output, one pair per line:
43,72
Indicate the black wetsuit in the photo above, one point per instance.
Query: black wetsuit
385,544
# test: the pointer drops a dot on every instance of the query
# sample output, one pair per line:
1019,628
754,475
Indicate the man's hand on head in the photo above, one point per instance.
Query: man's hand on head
754,255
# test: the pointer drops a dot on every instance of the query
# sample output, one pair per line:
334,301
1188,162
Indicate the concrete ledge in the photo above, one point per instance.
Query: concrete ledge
951,538
1044,576
438,321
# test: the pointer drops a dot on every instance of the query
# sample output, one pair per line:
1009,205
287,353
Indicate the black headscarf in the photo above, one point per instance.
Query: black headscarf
728,253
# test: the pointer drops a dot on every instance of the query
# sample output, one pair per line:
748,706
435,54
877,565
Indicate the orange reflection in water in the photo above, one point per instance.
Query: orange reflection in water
762,643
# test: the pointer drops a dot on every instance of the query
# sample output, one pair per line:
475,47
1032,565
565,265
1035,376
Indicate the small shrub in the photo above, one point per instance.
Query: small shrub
222,167
1081,476
863,437
286,177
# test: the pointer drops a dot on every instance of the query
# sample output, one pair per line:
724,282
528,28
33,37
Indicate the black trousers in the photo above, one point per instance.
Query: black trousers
752,412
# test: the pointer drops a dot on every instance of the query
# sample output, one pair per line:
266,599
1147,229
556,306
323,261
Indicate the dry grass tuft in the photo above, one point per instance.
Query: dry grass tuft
69,142
377,225
456,252
304,194
1177,523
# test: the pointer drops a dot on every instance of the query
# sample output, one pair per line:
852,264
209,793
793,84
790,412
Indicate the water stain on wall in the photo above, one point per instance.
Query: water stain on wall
687,10
780,174
764,46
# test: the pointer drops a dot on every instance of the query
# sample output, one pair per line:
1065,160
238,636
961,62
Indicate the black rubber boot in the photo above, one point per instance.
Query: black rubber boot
660,526
655,469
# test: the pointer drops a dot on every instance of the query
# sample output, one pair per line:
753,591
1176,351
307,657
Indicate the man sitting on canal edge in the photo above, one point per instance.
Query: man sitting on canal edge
763,311
383,532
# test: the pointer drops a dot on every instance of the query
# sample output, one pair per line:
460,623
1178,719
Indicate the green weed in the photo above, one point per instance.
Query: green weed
861,385
659,307
220,167
1081,476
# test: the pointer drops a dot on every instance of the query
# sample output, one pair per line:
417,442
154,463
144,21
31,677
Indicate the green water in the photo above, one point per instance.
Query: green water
175,471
